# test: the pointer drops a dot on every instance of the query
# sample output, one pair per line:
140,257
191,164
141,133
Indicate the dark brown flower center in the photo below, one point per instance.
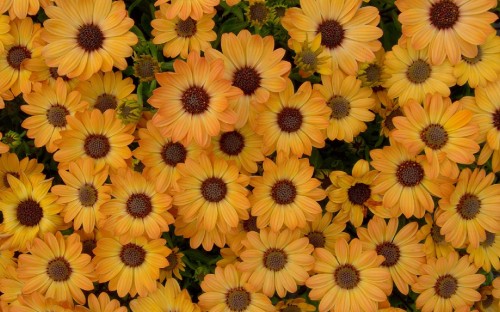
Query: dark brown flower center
87,194
468,206
250,224
17,55
186,28
388,122
139,205
476,59
410,173
317,239
132,255
373,73
446,286
90,37
291,308
444,14
340,107
346,276
195,100
419,71
391,253
247,79
258,12
275,259
436,234
172,261
96,146
231,143
145,68
59,269
29,212
434,136
6,180
238,299
290,119
488,301
496,119
283,192
359,193
332,34
490,239
55,75
214,189
106,101
309,58
173,153
56,115
88,246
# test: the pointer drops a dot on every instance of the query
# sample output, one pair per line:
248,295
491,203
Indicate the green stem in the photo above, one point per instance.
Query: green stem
133,5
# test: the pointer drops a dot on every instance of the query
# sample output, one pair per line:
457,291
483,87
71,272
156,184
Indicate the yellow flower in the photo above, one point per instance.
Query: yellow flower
307,57
175,265
101,304
324,231
192,8
20,8
487,255
435,245
35,302
166,298
11,165
6,38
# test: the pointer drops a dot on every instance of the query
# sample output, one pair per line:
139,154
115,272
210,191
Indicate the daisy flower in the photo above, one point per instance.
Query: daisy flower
20,8
307,57
11,286
487,255
324,231
192,8
36,302
168,297
11,165
435,244
175,266
101,304
388,112
373,75
6,37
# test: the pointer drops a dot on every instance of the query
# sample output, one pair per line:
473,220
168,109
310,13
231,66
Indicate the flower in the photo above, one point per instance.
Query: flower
11,165
193,8
435,245
79,48
175,265
307,57
373,74
101,304
168,297
324,231
258,13
5,36
487,255
20,8
35,302
145,67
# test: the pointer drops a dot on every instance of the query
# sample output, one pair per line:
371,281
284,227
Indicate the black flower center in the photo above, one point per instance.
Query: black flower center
186,28
106,101
87,194
96,146
391,253
55,75
446,286
346,276
172,261
29,212
388,122
468,206
496,119
275,259
132,255
90,37
173,153
444,14
251,224
214,189
283,192
332,34
258,12
139,205
317,239
340,107
247,79
56,115
231,143
88,246
436,234
17,55
490,239
59,269
290,119
359,193
6,180
238,299
418,72
373,73
488,301
434,136
195,100
410,173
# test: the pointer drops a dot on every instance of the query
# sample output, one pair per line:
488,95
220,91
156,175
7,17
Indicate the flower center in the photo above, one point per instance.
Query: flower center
6,181
332,33
139,205
317,239
231,143
290,119
275,259
388,122
283,192
476,59
436,234
29,212
96,146
132,255
55,75
409,173
88,246
186,28
490,239
468,206
291,308
172,261
173,153
59,270
446,286
391,253
17,55
238,299
340,107
346,276
359,193
444,14
87,194
214,189
373,73
496,119
247,79
56,115
258,12
309,58
434,136
487,302
251,224
90,37
195,100
145,68
106,101
418,72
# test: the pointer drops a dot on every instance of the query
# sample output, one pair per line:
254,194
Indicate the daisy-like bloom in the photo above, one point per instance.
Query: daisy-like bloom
404,182
213,194
11,286
323,232
252,65
99,136
448,28
83,193
437,127
106,90
11,165
401,250
258,13
198,235
435,245
57,269
242,146
307,57
41,74
227,289
20,8
136,208
471,209
48,108
29,210
6,37
286,194
193,101
182,36
85,37
487,255
373,74
488,302
175,265
166,298
192,8
297,305
352,280
130,265
145,67
276,261
294,123
36,302
236,235
447,283
350,104
353,195
14,61
413,76
101,304
388,112
4,148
